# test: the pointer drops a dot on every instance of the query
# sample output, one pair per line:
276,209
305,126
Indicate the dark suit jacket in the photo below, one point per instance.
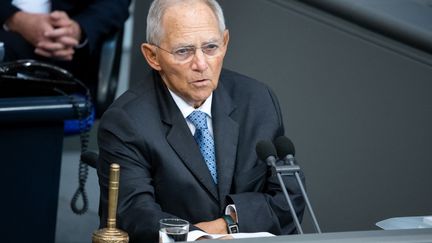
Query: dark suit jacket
162,171
98,20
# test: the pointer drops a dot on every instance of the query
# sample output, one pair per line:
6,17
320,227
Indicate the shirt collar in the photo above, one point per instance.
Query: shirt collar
187,109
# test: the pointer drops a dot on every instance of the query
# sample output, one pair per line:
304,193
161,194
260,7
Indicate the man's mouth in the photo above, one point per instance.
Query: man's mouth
200,80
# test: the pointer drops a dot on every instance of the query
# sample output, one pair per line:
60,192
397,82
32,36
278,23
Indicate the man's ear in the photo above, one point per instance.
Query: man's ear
225,42
226,37
149,52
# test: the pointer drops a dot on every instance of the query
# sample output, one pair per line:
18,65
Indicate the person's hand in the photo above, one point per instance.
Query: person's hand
217,226
32,27
61,40
225,237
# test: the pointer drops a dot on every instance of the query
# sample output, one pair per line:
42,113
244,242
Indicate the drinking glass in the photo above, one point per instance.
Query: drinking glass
172,230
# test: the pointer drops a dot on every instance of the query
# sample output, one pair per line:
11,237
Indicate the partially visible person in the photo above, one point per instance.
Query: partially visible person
67,33
185,136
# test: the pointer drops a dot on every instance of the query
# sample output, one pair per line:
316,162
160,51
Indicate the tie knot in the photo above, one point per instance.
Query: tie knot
198,119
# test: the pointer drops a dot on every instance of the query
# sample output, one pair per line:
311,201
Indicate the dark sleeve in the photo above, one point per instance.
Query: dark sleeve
136,200
102,18
6,10
268,210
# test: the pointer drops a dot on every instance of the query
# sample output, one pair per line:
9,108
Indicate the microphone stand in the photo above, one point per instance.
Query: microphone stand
278,170
289,170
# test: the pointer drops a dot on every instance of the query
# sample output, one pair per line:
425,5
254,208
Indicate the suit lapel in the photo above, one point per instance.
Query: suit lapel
225,131
181,139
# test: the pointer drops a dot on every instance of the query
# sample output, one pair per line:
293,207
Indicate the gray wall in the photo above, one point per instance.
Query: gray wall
356,104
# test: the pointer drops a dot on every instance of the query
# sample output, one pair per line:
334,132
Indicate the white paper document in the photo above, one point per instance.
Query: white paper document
416,222
194,235
427,220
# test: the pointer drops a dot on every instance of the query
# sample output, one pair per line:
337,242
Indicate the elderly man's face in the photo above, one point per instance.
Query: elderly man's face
193,77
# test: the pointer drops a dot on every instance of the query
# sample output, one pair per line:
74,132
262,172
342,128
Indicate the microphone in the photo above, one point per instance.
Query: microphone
286,151
267,152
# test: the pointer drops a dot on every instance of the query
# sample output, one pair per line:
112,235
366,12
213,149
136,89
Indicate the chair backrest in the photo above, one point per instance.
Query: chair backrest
1,51
109,70
90,158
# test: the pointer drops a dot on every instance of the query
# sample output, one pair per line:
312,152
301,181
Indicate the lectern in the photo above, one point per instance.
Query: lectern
31,141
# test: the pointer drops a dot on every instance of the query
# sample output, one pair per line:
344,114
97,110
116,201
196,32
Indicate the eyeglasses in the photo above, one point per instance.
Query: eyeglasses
186,53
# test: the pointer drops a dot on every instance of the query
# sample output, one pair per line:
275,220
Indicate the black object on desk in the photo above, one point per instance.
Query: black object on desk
31,141
35,99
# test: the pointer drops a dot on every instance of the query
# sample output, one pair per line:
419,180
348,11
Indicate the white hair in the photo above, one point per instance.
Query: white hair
157,9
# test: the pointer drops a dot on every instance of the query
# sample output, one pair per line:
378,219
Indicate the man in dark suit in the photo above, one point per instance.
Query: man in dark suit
67,33
166,171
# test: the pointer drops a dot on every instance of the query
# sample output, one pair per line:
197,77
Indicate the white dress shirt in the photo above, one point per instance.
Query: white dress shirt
33,6
187,109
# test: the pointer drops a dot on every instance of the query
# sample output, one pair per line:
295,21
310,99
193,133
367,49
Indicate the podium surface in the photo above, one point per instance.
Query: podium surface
406,236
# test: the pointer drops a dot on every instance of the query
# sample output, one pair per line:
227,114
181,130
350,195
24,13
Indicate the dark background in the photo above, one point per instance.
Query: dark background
356,102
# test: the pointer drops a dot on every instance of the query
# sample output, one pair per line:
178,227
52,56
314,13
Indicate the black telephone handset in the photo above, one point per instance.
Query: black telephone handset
35,78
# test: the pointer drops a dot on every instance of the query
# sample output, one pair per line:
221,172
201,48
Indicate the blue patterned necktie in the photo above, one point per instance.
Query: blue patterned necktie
205,140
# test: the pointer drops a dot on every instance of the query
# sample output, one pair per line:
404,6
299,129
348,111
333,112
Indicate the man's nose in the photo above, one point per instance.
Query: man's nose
199,61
